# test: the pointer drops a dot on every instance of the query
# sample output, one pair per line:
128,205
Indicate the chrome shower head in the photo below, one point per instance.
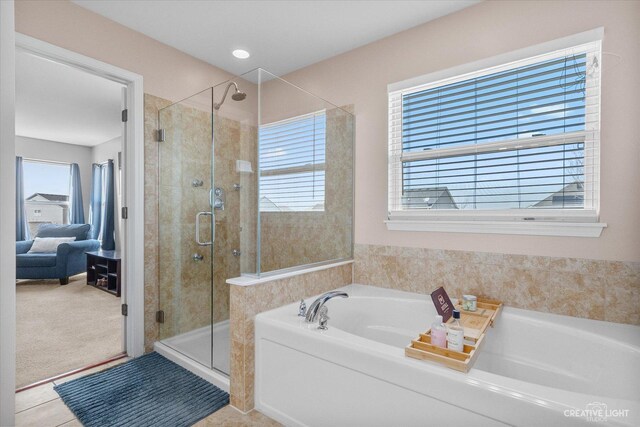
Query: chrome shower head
237,95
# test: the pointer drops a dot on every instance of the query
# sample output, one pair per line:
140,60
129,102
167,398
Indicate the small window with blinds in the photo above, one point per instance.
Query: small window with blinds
518,141
292,164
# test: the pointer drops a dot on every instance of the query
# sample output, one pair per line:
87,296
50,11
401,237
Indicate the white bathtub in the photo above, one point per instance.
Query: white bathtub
535,368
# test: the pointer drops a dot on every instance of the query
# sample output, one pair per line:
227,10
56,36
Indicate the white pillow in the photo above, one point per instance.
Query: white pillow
45,245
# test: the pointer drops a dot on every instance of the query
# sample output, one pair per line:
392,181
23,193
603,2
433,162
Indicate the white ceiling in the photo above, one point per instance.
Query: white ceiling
282,36
56,102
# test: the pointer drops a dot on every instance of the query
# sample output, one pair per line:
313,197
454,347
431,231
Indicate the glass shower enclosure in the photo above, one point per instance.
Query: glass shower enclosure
255,175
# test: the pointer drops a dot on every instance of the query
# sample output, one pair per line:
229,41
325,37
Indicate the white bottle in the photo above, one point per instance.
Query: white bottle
439,333
455,333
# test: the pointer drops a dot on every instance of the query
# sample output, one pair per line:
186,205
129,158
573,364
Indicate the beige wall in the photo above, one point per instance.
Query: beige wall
361,76
168,72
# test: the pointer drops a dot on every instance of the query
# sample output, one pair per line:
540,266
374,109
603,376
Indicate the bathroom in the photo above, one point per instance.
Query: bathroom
237,232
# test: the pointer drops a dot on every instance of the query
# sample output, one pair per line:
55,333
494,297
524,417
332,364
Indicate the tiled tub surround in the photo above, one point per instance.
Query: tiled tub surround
247,301
594,289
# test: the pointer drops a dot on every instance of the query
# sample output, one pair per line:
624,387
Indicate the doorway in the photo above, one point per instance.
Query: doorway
69,158
133,191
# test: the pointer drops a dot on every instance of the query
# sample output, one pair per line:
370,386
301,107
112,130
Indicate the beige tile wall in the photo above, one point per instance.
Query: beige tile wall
247,301
249,200
151,288
173,281
184,284
230,136
601,290
319,236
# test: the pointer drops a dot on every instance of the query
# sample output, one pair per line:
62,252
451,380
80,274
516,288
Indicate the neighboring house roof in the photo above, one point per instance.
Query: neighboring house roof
570,195
266,204
48,197
430,198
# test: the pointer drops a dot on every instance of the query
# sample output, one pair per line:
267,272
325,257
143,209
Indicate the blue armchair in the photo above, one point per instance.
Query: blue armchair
69,259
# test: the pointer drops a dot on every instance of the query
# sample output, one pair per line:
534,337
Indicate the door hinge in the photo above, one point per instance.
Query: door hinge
125,115
160,135
125,309
125,212
160,316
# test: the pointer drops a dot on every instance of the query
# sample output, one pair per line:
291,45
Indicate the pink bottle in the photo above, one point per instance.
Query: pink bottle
439,333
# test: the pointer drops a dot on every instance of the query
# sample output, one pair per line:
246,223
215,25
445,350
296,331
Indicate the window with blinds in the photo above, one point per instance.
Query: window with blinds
519,139
292,164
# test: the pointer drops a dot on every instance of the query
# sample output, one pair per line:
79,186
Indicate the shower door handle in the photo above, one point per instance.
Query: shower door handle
213,225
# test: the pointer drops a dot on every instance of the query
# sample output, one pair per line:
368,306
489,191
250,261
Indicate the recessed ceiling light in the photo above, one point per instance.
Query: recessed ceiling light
241,54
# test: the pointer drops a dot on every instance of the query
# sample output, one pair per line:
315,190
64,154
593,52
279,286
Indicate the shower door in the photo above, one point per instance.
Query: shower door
186,256
207,215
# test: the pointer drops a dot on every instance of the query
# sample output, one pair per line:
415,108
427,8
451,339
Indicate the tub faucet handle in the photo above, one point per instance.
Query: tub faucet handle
302,310
324,318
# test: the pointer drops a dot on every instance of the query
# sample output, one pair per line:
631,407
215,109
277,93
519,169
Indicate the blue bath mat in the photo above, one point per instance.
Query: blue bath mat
147,391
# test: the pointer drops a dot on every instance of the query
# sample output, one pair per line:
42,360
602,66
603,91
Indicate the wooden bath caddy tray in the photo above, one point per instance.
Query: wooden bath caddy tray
475,325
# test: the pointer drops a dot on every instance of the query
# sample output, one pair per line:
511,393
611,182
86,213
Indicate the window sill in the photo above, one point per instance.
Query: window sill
533,228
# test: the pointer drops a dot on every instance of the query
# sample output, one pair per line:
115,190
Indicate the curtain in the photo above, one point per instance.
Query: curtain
107,228
22,227
76,207
95,204
102,207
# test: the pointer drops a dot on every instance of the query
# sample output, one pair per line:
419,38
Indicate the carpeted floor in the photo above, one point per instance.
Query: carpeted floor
61,328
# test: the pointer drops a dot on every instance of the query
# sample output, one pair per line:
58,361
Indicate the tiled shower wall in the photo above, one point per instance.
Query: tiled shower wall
184,284
601,290
175,283
322,235
151,287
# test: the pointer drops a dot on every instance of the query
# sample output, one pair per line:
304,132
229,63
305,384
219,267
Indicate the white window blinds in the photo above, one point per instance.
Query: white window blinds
292,164
520,138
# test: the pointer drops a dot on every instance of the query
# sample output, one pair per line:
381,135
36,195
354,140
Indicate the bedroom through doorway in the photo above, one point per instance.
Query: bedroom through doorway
70,130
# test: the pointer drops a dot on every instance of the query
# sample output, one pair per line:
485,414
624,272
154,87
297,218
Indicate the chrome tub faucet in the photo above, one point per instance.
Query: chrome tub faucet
314,308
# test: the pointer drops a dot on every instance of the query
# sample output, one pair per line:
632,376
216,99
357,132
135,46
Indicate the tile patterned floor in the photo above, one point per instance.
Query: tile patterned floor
42,407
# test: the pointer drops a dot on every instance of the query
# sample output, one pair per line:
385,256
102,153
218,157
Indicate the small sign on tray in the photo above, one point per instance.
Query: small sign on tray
443,303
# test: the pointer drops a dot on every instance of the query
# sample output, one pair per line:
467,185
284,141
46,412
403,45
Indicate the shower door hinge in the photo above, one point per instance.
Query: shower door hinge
160,316
125,309
160,135
125,212
125,116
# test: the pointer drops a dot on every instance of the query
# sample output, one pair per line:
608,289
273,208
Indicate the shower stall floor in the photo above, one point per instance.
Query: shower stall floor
196,345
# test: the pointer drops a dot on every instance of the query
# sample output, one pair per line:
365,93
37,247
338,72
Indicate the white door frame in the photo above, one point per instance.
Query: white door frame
133,182
7,215
133,261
